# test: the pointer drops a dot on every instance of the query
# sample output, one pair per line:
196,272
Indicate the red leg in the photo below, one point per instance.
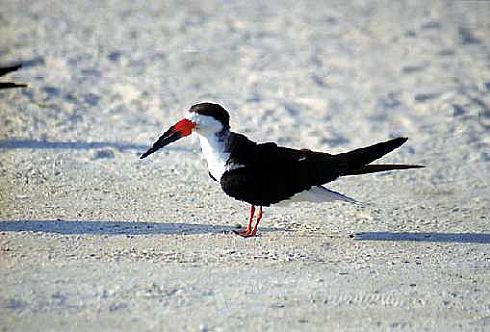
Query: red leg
259,217
250,233
248,230
251,218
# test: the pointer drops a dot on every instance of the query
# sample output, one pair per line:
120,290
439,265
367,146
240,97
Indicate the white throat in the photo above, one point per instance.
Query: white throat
213,147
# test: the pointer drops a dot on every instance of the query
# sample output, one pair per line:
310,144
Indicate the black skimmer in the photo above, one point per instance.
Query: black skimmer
265,174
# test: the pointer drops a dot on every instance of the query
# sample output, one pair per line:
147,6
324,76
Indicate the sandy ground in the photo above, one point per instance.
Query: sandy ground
93,239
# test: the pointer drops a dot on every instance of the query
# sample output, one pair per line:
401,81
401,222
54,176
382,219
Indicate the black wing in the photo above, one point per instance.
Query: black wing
264,174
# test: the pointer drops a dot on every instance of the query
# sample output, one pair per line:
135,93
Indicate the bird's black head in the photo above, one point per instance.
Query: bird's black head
212,110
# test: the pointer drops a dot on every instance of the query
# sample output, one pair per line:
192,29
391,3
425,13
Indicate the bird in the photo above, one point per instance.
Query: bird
265,174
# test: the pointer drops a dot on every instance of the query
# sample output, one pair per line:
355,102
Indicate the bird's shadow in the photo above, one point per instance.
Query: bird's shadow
80,227
481,238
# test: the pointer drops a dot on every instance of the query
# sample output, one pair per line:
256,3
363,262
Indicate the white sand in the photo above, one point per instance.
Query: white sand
94,239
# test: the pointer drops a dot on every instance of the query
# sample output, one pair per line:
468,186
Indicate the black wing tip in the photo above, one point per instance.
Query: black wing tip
4,70
14,67
395,143
400,140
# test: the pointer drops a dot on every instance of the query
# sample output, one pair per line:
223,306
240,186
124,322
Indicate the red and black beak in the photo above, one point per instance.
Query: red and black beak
177,131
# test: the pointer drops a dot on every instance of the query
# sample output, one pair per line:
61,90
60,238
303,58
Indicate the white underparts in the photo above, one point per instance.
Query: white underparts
213,150
316,194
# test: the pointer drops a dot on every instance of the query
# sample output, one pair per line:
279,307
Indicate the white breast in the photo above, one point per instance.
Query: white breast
213,150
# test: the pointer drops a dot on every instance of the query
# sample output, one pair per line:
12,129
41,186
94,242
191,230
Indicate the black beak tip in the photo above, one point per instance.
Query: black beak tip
146,154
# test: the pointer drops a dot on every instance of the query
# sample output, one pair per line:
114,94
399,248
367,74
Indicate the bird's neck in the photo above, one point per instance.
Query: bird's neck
214,149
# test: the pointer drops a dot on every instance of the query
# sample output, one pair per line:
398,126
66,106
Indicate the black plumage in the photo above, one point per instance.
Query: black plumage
265,174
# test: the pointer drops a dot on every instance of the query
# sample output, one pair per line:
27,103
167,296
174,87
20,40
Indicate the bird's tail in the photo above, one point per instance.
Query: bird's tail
357,161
